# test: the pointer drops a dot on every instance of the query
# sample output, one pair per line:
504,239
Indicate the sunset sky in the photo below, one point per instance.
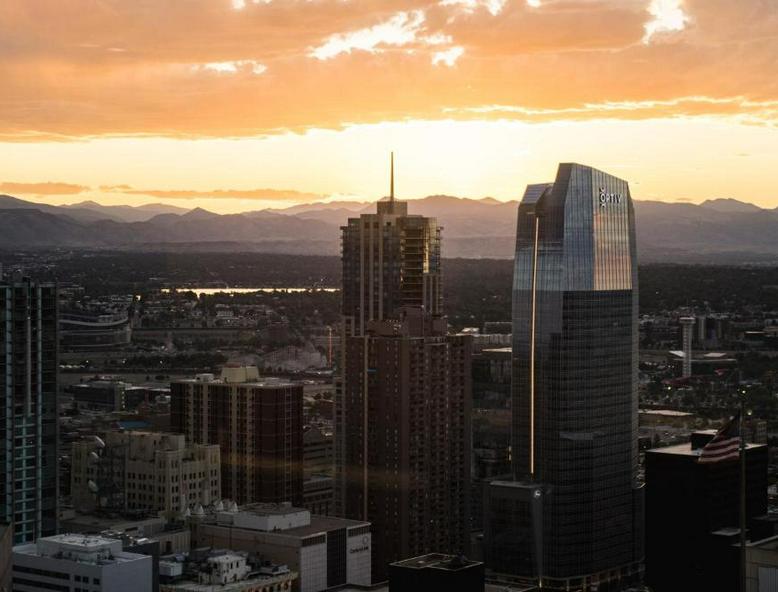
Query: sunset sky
239,105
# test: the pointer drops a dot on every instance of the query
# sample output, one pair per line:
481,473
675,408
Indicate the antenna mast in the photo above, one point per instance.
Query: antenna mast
391,177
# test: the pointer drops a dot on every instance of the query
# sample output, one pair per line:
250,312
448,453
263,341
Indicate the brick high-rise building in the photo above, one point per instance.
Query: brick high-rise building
28,408
407,459
403,396
258,425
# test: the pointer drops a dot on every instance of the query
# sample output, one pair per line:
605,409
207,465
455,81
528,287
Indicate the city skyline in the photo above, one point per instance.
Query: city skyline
398,295
238,105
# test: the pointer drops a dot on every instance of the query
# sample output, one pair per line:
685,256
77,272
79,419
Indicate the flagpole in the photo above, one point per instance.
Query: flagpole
742,494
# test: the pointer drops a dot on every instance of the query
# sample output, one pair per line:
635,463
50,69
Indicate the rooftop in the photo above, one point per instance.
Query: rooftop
438,561
768,544
82,548
265,382
206,570
262,509
322,524
685,449
251,583
125,523
84,541
281,519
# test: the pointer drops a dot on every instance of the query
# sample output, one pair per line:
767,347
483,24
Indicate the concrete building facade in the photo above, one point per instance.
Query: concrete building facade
75,562
326,552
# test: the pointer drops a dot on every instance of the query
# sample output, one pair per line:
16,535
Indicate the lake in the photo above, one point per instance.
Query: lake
229,290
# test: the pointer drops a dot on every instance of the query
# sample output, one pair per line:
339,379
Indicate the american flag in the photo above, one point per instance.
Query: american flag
725,445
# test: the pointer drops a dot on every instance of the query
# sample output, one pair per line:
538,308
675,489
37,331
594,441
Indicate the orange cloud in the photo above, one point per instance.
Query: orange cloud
258,194
47,188
213,68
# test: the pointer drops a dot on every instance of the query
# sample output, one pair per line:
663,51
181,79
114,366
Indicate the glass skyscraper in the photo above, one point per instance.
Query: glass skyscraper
575,336
28,408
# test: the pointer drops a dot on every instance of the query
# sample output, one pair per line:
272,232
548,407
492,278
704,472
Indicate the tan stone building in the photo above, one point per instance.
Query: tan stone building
150,471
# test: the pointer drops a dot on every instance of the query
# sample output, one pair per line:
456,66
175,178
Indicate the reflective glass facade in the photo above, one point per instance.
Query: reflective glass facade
28,408
574,428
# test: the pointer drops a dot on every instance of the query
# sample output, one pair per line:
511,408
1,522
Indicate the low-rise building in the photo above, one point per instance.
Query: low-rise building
225,571
173,536
101,393
80,563
436,571
145,471
762,565
324,551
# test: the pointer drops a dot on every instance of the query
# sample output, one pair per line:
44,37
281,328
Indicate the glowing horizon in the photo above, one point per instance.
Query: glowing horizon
243,105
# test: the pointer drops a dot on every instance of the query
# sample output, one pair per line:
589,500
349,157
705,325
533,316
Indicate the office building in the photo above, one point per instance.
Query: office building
491,425
574,408
692,519
80,562
257,424
318,486
222,570
435,571
687,330
326,552
318,495
402,399
512,537
317,452
144,471
98,394
28,408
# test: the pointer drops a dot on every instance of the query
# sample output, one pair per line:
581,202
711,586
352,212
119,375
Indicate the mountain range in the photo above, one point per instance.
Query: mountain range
716,231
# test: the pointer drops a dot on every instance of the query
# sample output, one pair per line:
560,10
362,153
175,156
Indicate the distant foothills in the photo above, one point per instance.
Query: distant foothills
724,231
